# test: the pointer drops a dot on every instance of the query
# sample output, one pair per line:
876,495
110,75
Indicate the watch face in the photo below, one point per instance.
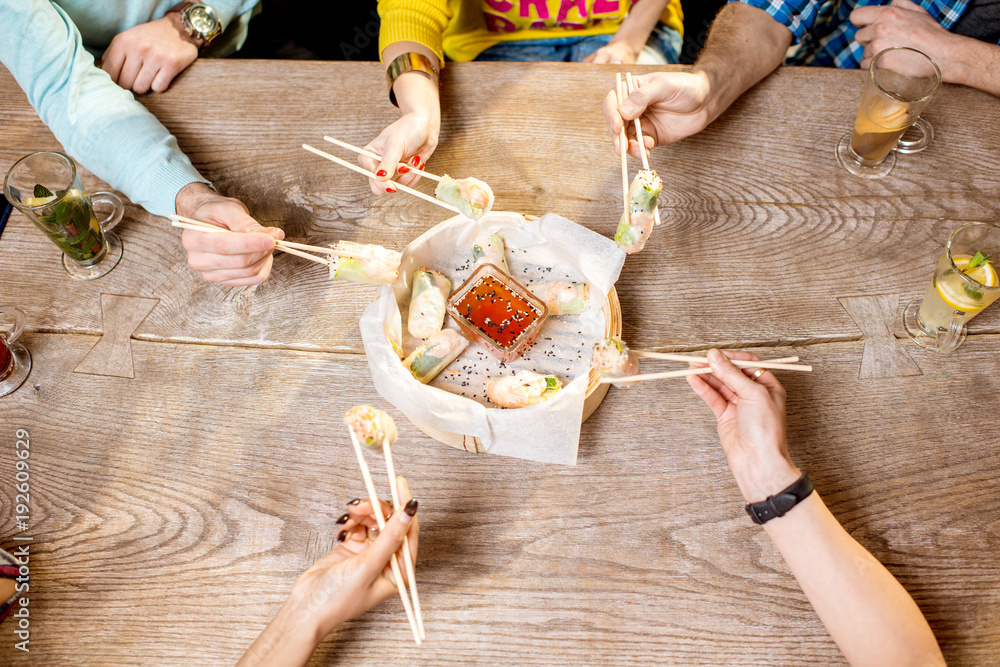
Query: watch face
203,21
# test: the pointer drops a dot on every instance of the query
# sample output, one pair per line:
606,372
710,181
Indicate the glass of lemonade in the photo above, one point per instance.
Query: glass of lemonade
964,283
901,82
46,188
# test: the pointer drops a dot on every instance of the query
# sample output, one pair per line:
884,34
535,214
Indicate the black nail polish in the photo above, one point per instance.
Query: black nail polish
355,501
411,507
342,536
343,519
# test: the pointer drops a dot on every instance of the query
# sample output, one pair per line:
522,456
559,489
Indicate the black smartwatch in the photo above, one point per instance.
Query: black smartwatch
781,503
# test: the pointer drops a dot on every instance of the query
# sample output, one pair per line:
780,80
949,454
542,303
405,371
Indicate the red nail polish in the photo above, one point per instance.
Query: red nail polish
415,161
381,173
403,170
422,165
390,189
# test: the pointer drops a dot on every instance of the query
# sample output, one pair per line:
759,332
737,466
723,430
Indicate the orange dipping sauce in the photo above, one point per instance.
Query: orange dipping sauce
497,311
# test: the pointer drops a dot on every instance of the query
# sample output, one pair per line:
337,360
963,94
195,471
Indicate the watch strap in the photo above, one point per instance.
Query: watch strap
780,503
408,62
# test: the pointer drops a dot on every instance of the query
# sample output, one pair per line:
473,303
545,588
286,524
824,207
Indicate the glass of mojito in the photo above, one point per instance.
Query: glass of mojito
45,186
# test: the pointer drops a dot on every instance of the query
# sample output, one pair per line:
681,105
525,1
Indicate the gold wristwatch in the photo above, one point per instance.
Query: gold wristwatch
408,62
199,20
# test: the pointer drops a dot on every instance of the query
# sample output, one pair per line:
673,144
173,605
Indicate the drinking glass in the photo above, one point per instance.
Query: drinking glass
15,360
957,293
46,188
901,82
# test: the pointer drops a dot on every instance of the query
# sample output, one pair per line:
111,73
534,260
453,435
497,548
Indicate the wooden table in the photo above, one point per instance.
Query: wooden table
172,511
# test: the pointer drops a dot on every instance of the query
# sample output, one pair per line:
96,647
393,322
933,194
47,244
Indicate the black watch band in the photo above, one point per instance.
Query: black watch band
781,503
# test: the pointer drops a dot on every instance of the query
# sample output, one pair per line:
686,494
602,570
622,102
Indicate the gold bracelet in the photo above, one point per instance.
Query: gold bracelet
408,62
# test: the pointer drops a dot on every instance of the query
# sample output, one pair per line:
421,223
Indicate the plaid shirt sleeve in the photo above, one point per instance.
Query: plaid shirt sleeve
796,15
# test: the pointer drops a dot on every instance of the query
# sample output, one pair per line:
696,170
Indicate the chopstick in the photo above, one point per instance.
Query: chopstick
411,573
620,96
783,363
211,228
642,144
700,371
361,170
367,153
393,561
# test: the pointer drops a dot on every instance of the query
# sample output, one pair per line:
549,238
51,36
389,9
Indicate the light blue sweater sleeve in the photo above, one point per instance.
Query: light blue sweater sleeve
98,123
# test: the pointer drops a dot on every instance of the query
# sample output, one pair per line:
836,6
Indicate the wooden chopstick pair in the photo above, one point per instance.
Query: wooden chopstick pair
413,614
783,364
623,138
361,170
290,247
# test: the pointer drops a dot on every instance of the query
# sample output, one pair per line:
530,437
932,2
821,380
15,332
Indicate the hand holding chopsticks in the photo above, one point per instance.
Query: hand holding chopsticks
375,428
361,170
618,364
284,246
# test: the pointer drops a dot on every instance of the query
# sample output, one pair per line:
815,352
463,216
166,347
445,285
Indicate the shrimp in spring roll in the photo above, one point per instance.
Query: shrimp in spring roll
381,268
490,249
428,303
471,196
371,426
429,359
612,358
563,297
634,229
521,389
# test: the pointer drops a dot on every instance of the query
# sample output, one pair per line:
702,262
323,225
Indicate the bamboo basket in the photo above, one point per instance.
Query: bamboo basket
594,397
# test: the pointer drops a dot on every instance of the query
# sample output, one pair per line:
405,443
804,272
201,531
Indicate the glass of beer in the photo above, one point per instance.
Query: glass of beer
46,188
964,283
15,360
901,81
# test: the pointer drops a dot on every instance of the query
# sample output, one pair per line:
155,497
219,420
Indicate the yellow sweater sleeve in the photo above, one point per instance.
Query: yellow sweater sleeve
673,16
421,21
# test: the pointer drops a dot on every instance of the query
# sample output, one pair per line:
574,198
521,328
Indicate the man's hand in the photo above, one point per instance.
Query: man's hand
236,259
670,106
903,23
149,56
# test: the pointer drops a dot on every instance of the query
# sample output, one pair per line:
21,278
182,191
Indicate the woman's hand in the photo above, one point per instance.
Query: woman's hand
348,581
750,415
614,53
410,140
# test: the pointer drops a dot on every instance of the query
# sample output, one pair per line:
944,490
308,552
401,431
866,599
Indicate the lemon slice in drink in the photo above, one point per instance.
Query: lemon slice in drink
39,201
957,293
984,274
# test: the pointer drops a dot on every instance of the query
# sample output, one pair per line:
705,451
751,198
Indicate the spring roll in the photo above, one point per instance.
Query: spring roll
371,426
471,196
521,389
382,268
428,303
490,249
563,297
634,229
612,358
429,359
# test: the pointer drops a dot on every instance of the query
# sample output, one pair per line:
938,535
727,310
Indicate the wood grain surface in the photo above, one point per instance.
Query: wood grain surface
763,229
172,512
171,516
